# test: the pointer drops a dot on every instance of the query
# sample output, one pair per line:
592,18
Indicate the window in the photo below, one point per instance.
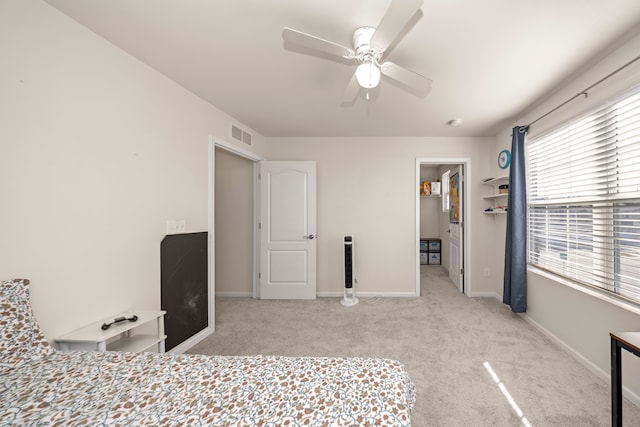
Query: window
584,198
445,192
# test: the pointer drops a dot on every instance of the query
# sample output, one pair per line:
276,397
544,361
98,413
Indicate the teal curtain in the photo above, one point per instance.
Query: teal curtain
515,257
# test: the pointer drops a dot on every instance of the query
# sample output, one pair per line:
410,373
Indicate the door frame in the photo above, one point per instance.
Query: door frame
215,142
466,218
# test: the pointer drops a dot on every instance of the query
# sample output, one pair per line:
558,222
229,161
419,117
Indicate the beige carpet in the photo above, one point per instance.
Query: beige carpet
446,341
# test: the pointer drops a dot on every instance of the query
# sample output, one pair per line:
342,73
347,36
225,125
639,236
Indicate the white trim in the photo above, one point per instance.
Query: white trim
211,246
255,293
224,294
466,161
366,294
233,148
486,295
191,341
328,294
626,392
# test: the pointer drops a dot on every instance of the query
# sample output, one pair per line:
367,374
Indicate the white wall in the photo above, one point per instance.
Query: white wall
367,188
579,321
97,151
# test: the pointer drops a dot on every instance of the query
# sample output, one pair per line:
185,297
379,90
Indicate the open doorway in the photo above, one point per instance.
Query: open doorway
441,222
234,219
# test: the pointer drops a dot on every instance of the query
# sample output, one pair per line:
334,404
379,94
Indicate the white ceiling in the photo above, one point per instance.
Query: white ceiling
489,59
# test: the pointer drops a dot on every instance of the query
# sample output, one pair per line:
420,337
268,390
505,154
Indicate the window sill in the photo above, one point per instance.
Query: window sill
601,295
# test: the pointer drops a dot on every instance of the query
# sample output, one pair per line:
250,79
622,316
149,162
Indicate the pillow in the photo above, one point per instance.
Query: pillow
20,336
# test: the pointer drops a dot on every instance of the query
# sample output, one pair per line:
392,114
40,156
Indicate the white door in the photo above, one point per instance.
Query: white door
456,230
455,256
288,233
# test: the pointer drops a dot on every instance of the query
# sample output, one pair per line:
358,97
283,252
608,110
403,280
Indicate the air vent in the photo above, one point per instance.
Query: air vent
240,135
236,133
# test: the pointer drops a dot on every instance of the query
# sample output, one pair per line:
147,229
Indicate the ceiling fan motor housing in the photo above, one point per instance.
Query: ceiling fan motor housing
361,44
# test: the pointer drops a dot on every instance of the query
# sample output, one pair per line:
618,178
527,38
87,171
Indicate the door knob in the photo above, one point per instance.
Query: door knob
310,236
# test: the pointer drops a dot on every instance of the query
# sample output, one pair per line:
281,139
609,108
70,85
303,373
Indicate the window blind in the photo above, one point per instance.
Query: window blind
583,182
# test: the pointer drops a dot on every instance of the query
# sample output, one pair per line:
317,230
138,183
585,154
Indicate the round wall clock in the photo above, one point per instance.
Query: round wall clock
504,159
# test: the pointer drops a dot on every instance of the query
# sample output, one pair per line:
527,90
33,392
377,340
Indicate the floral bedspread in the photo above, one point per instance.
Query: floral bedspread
93,388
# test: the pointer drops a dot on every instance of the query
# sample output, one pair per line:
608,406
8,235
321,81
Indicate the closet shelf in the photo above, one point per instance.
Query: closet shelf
497,200
496,181
496,196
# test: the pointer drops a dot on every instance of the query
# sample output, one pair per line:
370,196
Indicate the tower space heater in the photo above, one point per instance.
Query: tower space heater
349,297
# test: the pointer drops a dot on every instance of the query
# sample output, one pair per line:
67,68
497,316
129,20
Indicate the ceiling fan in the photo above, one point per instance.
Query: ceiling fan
369,46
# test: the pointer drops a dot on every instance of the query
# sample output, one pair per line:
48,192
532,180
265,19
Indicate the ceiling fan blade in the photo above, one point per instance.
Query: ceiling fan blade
394,20
351,91
316,43
407,77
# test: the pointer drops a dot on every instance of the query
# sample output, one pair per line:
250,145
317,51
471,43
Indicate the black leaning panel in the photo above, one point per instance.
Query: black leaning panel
184,286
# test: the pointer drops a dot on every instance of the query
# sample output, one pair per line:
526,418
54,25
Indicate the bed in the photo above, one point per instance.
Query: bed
42,386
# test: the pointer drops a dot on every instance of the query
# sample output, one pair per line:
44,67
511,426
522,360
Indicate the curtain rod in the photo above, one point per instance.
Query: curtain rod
584,92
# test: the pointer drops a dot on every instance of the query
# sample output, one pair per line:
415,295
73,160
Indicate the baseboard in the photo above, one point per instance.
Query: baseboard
367,294
485,295
626,392
224,294
186,345
329,294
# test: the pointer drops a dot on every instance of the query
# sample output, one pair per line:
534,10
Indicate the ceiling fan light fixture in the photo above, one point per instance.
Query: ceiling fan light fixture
369,47
368,75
